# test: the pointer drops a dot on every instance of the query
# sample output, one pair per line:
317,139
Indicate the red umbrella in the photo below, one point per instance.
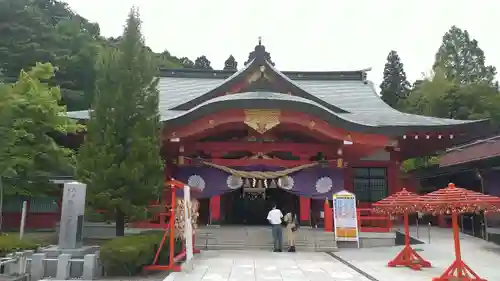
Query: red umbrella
403,203
454,200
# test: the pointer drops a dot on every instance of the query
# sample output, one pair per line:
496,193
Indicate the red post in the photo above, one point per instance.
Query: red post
215,209
305,210
328,217
407,231
408,257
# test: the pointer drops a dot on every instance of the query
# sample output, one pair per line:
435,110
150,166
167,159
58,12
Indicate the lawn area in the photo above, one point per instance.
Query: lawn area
43,237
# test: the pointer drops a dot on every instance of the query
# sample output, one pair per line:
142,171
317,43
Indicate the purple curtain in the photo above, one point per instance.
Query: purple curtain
491,182
315,182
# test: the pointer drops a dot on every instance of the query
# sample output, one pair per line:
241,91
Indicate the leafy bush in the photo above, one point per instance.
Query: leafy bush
127,255
11,243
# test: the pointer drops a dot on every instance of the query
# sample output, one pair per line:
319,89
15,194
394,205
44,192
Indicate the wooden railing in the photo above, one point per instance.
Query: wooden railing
369,221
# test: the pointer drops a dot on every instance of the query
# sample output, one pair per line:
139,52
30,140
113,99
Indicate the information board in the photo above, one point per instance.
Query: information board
345,217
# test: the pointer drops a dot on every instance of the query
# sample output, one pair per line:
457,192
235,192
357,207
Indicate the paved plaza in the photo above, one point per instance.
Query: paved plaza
483,257
263,265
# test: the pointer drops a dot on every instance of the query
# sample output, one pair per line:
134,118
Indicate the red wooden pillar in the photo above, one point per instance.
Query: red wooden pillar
305,210
392,177
348,182
215,209
328,217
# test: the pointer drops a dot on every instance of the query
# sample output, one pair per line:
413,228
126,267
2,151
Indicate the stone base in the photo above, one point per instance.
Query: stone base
55,251
24,277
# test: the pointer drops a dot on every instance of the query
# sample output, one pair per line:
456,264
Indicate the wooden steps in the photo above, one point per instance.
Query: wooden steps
259,237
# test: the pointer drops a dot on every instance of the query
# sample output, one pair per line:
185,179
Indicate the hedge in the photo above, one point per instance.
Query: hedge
125,256
11,243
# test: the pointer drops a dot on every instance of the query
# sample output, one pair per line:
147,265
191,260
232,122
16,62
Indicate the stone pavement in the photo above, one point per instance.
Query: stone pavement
263,265
483,257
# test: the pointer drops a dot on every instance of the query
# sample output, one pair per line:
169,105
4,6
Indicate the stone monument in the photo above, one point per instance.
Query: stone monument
72,221
72,212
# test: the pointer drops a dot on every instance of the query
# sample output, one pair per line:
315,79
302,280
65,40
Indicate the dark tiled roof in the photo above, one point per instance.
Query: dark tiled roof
357,97
474,151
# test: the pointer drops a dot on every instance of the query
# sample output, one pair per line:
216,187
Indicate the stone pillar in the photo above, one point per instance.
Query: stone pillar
89,267
215,209
63,266
305,211
72,211
37,270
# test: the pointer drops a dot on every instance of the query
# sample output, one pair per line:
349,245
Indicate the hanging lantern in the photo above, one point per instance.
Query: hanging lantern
254,182
266,185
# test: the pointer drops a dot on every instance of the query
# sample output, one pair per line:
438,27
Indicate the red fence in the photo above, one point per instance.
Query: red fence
369,221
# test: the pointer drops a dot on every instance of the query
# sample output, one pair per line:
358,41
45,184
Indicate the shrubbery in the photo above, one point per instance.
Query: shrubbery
127,255
11,243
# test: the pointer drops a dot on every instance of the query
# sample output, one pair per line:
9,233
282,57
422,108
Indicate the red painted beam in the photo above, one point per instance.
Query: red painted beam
264,162
308,124
254,147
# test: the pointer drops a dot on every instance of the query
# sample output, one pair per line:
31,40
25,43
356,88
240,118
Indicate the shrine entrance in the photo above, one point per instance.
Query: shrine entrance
250,207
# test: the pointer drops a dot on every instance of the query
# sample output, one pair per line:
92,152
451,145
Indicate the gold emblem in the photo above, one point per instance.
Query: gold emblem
262,120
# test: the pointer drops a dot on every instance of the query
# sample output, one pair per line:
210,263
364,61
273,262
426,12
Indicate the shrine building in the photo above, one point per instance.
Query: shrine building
257,136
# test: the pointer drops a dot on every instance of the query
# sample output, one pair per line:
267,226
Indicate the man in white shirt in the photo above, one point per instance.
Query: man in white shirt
274,217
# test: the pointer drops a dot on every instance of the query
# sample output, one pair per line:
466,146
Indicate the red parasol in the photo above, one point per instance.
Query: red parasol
403,203
454,200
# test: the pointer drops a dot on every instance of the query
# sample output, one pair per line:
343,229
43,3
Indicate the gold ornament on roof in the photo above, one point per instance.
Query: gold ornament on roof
262,120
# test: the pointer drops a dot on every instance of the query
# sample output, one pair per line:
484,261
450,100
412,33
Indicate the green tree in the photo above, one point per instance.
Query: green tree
231,63
394,86
120,159
462,59
439,97
186,62
30,119
47,30
202,63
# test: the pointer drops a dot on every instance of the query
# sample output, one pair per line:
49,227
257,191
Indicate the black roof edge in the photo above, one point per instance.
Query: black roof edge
354,75
393,131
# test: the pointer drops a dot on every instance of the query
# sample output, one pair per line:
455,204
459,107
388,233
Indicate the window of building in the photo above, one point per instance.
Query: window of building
370,184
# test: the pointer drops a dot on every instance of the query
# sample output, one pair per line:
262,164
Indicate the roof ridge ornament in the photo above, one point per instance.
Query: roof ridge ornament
259,54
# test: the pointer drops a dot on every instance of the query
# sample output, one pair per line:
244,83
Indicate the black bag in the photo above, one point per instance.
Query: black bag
294,229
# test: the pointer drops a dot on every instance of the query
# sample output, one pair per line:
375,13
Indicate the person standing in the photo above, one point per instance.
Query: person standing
291,227
274,217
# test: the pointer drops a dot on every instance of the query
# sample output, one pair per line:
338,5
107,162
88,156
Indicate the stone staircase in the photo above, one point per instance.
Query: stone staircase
259,237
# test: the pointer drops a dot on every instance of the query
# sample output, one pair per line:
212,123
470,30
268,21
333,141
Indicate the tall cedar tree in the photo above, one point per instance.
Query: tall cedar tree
394,87
120,158
202,63
462,59
231,63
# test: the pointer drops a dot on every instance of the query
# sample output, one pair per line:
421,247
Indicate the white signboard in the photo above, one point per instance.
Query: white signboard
345,217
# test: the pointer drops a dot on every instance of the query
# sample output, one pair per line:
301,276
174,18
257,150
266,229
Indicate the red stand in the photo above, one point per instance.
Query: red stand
173,264
458,270
408,257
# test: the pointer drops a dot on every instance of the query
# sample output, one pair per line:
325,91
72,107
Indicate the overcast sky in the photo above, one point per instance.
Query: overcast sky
305,34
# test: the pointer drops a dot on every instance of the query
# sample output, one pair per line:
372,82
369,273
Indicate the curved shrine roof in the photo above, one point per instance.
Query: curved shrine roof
342,97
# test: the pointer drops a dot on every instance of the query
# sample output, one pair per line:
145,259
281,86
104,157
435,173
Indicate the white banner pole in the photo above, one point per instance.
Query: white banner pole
188,226
23,220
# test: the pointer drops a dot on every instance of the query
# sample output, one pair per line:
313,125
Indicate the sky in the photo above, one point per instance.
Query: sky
308,35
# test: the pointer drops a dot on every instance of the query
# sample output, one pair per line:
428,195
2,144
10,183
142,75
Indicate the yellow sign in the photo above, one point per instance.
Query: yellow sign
345,217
